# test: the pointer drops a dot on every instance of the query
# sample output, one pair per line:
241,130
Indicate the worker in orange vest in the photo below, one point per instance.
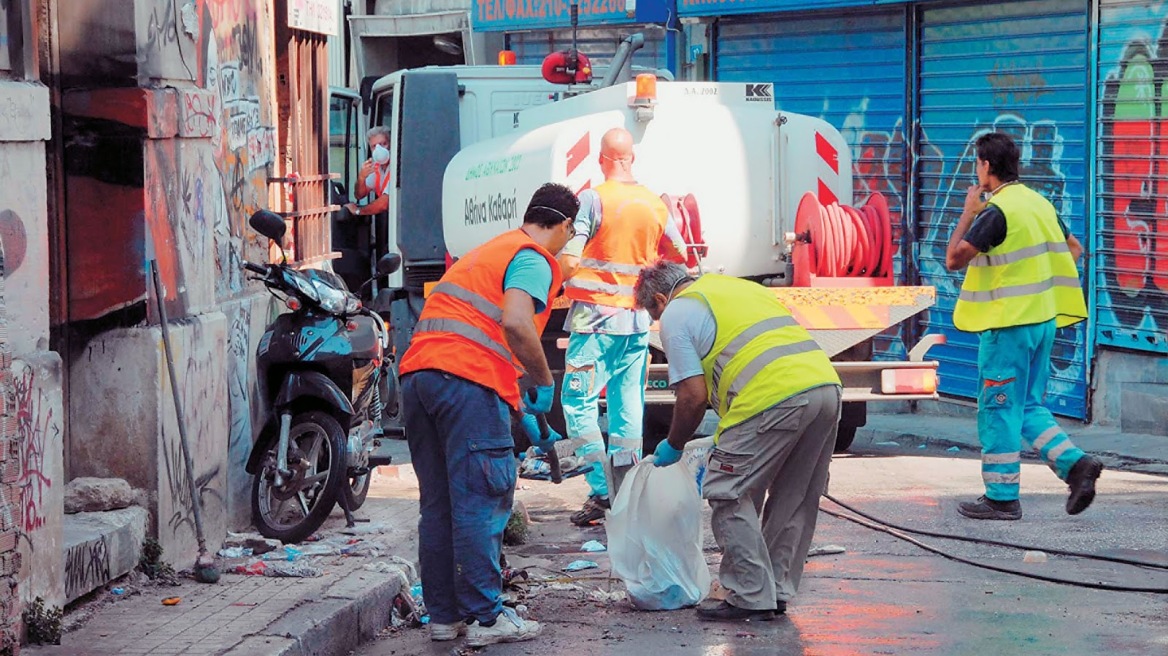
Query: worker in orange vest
622,228
479,332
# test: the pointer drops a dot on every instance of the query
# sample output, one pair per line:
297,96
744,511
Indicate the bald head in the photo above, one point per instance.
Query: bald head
616,155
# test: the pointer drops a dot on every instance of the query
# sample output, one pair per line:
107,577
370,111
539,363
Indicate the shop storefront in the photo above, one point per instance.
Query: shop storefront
536,28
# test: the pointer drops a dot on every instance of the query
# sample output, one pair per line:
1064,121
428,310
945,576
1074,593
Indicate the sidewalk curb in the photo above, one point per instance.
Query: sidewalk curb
352,611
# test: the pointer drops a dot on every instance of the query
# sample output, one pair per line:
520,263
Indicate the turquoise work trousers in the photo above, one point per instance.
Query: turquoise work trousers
1014,367
616,364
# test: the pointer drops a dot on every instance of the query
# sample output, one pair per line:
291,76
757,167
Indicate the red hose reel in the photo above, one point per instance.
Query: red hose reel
839,245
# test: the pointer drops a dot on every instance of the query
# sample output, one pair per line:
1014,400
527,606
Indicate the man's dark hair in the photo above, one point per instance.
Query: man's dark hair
551,205
1002,154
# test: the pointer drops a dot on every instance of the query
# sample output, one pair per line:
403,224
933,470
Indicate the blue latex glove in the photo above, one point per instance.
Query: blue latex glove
538,400
665,455
531,430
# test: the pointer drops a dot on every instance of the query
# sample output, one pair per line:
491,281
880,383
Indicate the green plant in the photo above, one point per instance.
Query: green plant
151,564
42,623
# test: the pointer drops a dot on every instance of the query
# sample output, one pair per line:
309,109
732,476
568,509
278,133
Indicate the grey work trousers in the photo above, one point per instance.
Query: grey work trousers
763,482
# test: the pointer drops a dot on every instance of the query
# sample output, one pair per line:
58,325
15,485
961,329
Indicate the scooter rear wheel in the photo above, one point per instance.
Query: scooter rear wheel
295,510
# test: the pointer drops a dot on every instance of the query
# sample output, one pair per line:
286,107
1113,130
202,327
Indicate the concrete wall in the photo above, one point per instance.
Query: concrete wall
166,160
1131,391
33,374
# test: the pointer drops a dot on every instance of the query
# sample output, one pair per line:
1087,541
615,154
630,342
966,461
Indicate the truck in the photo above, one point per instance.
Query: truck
758,193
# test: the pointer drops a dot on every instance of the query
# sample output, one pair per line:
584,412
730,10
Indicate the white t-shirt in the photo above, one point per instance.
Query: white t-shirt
688,329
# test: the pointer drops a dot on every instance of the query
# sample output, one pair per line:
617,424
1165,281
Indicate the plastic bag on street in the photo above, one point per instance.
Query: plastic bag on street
655,537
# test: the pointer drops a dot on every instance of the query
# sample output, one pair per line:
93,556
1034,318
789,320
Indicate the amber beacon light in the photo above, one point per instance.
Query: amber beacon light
506,57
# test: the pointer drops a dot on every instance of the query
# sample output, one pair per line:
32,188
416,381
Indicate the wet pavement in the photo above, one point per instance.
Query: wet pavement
883,596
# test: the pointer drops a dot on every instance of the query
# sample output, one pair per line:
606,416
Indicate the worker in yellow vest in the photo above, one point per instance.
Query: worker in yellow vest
1022,284
732,344
621,227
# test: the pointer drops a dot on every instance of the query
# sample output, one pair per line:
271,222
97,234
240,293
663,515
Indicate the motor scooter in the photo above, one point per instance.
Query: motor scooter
321,369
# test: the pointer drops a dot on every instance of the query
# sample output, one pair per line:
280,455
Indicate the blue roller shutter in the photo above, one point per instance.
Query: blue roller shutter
1132,266
846,68
1019,67
599,44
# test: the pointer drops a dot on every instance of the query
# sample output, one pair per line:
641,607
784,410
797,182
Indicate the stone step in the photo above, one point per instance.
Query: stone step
100,547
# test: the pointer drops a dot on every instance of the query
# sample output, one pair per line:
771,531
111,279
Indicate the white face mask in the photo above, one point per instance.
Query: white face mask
380,154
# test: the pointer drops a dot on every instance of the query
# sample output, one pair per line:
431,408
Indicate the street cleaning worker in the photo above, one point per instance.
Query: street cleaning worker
619,230
478,333
731,343
1022,285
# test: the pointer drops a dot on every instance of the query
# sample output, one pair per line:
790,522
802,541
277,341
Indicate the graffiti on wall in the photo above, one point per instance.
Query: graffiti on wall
1133,280
36,428
200,188
87,565
201,388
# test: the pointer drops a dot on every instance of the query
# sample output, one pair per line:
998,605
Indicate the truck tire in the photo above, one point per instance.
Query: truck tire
844,438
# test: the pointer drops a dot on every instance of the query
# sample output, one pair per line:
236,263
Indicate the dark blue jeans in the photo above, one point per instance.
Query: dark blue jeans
460,443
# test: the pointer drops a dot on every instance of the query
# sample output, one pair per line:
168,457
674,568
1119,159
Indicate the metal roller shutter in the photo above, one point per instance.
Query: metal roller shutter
846,68
1019,67
1132,292
599,44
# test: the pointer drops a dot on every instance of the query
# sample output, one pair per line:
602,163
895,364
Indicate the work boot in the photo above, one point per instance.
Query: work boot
593,510
986,508
1081,480
726,612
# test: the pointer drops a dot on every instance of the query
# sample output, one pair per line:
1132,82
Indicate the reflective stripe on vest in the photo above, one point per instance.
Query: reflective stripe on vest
760,356
494,312
1018,290
1029,278
1021,254
460,330
598,286
611,267
744,338
463,329
632,223
757,364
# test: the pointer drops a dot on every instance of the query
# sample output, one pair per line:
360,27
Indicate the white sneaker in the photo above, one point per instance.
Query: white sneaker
443,632
508,627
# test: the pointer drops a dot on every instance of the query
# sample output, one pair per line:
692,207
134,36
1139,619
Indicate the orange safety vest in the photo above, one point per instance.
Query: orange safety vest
461,327
380,184
632,224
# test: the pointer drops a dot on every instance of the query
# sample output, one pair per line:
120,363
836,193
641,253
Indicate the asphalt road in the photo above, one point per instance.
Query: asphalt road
883,596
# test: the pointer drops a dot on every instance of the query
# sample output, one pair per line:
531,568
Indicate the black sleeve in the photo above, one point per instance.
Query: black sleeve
1064,228
988,229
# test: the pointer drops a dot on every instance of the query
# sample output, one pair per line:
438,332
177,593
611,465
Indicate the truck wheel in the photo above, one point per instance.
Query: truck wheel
844,437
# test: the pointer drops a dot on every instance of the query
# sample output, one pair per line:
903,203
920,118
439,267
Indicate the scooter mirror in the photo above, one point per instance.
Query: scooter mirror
268,224
389,263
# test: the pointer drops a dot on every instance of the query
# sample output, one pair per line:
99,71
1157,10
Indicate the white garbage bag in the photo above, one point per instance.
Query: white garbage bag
655,537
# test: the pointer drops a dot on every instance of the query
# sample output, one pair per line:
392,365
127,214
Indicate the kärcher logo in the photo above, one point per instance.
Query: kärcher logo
759,92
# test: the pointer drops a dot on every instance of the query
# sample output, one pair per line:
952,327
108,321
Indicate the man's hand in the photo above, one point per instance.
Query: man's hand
353,208
366,169
538,400
665,455
973,202
531,429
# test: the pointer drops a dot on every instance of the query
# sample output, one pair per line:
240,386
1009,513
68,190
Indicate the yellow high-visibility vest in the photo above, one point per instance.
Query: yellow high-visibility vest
761,355
1029,278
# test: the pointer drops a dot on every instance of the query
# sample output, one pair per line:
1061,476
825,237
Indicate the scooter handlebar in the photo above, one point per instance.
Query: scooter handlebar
255,268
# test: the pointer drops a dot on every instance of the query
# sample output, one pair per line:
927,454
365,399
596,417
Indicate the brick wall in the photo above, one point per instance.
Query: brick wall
9,494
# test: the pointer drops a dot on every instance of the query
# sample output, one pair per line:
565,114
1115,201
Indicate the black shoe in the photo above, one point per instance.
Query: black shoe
781,607
985,508
593,510
1081,480
724,612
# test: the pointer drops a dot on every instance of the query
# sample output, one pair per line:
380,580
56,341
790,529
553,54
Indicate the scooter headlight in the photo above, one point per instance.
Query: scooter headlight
332,300
304,286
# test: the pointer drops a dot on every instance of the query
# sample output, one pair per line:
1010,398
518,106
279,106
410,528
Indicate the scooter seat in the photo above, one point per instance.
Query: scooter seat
364,338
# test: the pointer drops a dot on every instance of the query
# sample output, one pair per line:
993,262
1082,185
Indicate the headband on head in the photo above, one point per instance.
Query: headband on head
550,209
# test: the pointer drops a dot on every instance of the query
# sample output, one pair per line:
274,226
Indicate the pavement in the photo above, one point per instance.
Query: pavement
1134,452
351,602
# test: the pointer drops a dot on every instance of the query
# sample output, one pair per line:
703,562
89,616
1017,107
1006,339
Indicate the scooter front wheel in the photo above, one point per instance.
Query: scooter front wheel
296,507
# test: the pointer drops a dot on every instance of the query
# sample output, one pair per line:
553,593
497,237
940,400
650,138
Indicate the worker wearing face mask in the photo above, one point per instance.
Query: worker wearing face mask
373,178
